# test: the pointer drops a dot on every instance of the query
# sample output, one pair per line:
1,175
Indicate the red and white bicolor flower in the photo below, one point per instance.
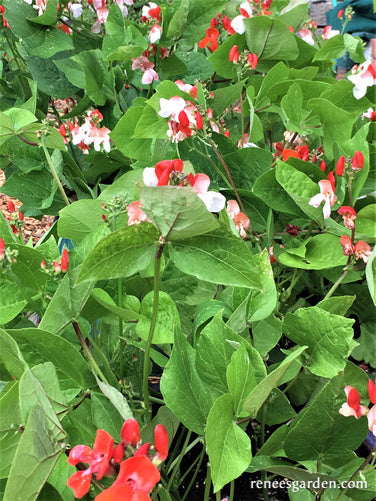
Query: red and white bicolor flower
329,33
352,407
326,195
155,33
306,35
363,77
135,214
347,244
237,24
241,220
89,134
349,216
371,114
146,67
170,172
362,250
151,12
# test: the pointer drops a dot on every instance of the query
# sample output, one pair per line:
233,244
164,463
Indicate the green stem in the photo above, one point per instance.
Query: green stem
355,474
337,283
187,449
195,474
241,107
180,457
145,383
88,354
120,304
53,171
262,441
207,483
218,496
232,490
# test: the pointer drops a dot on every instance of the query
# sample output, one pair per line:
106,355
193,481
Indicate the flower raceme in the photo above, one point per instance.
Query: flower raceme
138,472
326,195
169,172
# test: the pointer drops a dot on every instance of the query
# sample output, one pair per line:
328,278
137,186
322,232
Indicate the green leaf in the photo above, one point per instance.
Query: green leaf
178,213
18,13
11,424
73,70
167,323
218,257
240,378
58,478
34,459
49,16
266,333
20,118
104,299
270,191
79,219
336,123
293,112
49,78
12,301
200,14
120,43
150,125
178,21
261,392
332,49
337,304
278,408
105,416
11,356
365,222
263,302
184,392
117,399
328,337
319,253
96,75
371,275
67,302
320,431
121,254
270,39
48,42
40,346
229,447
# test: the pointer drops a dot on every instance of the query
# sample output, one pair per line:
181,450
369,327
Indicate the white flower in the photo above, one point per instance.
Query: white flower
329,33
155,33
171,107
149,177
326,195
237,24
76,9
363,77
306,35
149,76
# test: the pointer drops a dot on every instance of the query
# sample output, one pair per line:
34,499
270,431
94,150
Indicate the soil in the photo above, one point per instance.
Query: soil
33,228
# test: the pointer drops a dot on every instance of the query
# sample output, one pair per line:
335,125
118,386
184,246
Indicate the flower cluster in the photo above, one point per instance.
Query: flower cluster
153,14
16,218
57,267
361,250
352,406
89,133
170,172
137,473
250,60
248,9
101,11
241,220
326,195
146,66
7,255
363,77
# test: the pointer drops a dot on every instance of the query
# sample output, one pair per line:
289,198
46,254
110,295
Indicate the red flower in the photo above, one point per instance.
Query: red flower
288,152
347,244
2,249
352,407
161,442
64,260
340,166
372,391
332,179
130,433
210,40
165,168
252,60
362,250
357,161
98,460
135,214
137,477
234,54
349,216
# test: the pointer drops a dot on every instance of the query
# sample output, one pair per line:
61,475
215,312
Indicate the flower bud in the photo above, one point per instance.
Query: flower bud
340,166
130,432
357,161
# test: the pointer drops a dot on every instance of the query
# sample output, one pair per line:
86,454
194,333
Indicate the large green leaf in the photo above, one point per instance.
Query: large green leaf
218,257
49,16
371,275
12,301
40,346
328,337
270,39
178,213
11,356
80,219
240,378
11,429
256,398
121,254
167,323
36,455
320,431
184,392
229,447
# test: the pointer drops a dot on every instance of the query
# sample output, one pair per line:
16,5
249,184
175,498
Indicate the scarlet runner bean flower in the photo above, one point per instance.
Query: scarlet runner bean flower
326,195
149,74
363,77
64,261
347,244
352,407
135,214
2,249
371,114
340,166
151,12
246,11
241,221
362,250
98,460
329,33
349,216
155,33
211,40
357,161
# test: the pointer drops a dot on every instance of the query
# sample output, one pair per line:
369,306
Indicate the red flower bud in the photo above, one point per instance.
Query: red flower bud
21,217
372,391
234,54
64,260
357,161
118,453
2,248
252,60
130,432
11,206
340,166
323,165
199,121
340,14
183,119
161,441
43,264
